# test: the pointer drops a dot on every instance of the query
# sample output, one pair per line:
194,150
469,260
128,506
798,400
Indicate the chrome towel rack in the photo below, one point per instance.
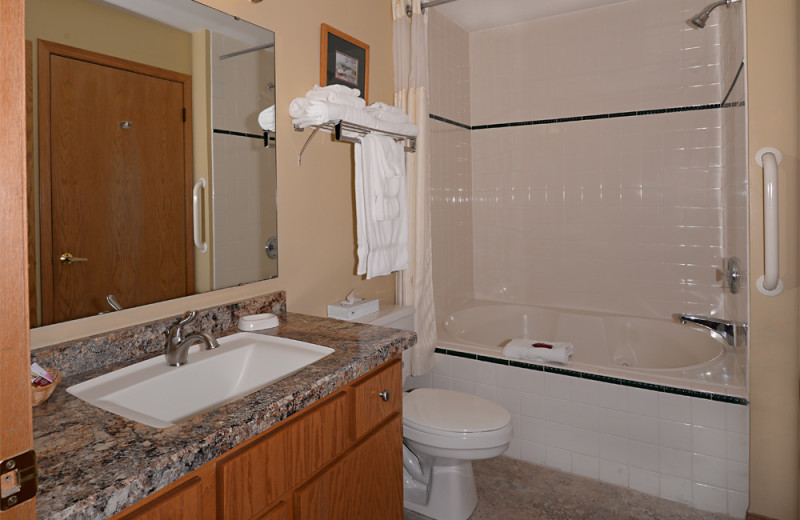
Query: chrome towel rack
338,129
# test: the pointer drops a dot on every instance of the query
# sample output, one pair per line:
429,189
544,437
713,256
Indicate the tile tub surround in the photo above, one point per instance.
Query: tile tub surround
687,449
93,464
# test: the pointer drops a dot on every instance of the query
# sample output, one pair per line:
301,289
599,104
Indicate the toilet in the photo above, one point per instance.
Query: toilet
443,432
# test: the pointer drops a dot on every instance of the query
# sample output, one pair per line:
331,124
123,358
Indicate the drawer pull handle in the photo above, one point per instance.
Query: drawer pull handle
385,395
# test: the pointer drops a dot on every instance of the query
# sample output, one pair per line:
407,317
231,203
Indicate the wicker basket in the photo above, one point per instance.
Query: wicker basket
41,393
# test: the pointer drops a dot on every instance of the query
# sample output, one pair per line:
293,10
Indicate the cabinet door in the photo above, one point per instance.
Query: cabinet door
253,479
183,503
281,512
367,483
376,397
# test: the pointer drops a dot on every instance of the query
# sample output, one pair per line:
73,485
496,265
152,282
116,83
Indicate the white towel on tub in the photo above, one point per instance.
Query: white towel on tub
534,350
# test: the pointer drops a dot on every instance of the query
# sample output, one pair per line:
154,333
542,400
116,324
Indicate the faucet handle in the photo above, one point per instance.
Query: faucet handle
187,318
176,331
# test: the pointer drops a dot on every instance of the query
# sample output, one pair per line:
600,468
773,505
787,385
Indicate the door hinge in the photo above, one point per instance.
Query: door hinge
184,115
19,479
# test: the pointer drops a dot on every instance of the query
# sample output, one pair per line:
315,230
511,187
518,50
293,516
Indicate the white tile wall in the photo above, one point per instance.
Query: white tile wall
734,153
687,449
624,215
451,164
628,56
621,215
243,191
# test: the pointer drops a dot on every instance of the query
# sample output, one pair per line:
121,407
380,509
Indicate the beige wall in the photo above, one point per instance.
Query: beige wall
316,227
95,28
772,75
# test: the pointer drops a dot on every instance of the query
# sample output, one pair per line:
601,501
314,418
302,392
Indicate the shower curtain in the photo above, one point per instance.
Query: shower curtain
415,284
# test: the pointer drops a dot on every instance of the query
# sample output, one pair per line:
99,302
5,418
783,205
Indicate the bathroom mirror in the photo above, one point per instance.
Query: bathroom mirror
151,174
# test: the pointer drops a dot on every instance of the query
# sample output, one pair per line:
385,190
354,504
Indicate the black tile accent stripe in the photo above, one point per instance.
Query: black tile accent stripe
449,121
244,134
733,84
573,119
613,115
596,377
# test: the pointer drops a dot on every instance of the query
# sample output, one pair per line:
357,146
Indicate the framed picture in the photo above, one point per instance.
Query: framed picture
343,61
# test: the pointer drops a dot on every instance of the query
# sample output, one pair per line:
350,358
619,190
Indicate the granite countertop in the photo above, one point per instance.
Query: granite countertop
93,464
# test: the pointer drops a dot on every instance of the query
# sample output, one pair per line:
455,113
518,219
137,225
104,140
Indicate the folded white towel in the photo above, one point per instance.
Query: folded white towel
388,113
558,352
381,223
266,119
338,94
306,112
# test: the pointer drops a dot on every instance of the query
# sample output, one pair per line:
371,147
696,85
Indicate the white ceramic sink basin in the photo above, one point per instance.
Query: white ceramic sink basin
153,393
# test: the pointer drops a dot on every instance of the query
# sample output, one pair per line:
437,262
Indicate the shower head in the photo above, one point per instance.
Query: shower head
700,20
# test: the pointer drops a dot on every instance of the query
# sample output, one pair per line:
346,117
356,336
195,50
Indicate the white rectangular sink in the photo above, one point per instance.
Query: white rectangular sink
153,393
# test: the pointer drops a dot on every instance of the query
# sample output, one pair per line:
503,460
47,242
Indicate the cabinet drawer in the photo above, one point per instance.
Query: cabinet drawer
182,503
256,477
376,398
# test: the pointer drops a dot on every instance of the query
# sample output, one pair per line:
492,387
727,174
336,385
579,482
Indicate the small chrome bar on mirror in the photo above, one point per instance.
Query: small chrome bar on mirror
734,333
112,300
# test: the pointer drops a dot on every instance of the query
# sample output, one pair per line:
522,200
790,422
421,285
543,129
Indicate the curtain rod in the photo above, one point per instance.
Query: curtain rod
430,3
246,51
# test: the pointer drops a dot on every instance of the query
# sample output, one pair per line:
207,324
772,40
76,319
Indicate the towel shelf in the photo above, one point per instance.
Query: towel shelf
337,128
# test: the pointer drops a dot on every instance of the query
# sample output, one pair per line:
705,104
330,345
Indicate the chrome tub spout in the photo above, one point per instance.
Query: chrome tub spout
734,332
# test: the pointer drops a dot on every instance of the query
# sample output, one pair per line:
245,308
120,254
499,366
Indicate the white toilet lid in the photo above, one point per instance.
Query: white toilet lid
452,411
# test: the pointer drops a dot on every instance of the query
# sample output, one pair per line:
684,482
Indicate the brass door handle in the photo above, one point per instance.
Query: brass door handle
67,258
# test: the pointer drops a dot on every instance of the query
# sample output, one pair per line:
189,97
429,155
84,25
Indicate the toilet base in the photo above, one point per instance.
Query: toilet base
453,495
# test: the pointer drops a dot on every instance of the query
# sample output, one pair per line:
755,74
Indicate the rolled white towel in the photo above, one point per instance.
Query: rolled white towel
266,119
388,113
534,350
339,94
306,112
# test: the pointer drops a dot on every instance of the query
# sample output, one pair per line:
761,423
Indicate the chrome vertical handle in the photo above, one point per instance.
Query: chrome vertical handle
197,226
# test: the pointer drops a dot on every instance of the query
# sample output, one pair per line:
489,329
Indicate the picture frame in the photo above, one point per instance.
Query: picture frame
344,60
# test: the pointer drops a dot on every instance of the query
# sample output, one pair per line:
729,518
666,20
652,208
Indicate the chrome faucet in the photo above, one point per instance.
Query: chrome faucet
734,332
177,348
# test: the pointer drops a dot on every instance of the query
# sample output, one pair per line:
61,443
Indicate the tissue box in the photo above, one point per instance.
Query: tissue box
352,311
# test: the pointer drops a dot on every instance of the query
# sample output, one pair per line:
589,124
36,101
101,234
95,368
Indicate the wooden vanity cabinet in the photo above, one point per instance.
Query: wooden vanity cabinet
340,458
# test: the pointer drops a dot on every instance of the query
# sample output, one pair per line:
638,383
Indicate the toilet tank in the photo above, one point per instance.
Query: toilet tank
396,317
393,316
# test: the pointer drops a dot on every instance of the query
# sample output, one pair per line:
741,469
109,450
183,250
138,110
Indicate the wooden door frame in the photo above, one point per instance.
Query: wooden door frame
16,423
45,51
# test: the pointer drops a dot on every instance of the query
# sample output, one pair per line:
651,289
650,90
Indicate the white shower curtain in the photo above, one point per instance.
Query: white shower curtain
415,285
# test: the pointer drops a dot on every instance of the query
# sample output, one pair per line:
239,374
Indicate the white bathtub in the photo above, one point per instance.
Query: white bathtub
650,350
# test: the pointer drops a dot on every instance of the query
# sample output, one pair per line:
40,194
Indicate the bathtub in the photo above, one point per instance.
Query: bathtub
643,403
656,351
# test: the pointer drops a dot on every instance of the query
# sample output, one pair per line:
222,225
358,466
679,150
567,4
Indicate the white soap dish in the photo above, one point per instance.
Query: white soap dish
258,322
